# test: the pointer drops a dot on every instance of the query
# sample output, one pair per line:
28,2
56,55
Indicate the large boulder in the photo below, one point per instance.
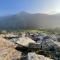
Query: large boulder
25,41
34,56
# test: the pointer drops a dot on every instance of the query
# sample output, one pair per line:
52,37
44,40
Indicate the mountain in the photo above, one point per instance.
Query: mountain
28,20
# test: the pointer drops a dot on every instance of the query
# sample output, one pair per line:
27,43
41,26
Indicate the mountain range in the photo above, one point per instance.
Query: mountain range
29,20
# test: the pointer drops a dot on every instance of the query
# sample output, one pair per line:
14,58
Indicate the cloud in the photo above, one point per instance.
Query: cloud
51,12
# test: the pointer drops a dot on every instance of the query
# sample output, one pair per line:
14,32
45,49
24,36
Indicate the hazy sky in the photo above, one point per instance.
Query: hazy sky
8,7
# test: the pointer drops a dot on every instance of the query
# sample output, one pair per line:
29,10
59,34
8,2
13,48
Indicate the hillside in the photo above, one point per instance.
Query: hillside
28,20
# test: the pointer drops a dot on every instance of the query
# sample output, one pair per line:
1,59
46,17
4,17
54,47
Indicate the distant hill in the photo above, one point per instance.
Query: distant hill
28,20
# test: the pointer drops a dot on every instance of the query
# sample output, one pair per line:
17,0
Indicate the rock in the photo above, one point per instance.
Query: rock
34,56
25,41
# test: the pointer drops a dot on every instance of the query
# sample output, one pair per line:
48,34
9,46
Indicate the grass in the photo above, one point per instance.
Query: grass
47,31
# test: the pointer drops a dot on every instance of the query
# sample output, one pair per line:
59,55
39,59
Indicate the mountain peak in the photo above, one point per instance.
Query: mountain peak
22,13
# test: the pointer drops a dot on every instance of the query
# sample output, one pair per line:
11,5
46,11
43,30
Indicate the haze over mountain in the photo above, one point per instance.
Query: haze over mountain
28,20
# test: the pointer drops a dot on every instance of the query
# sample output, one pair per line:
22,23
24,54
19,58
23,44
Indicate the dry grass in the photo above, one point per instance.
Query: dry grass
7,50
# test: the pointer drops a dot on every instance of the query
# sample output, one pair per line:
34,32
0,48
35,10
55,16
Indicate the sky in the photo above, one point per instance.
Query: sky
8,7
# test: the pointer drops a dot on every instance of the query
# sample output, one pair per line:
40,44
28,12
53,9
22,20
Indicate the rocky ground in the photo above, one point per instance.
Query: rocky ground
8,51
